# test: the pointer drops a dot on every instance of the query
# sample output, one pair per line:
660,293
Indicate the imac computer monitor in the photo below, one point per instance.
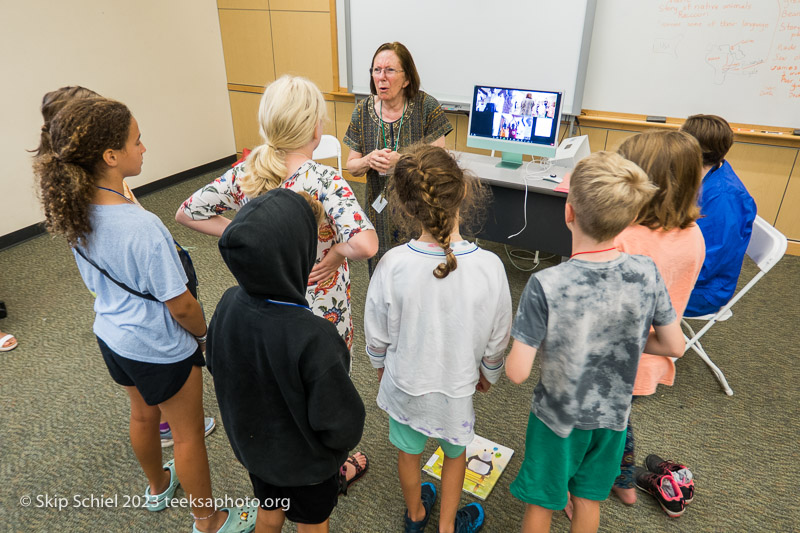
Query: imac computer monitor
515,122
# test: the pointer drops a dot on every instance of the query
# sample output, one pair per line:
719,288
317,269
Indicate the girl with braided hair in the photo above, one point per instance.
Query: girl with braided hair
150,329
437,321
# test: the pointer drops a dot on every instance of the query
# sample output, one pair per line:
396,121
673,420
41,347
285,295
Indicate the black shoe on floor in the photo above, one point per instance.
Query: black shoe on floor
428,495
680,473
663,488
469,519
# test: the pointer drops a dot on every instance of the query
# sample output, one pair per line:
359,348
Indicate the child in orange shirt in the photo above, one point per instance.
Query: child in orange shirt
665,230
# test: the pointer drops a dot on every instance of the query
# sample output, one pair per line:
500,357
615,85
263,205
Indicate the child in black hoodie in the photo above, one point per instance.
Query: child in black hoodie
280,372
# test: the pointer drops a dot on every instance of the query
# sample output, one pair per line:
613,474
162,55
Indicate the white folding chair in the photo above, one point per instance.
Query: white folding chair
329,146
767,246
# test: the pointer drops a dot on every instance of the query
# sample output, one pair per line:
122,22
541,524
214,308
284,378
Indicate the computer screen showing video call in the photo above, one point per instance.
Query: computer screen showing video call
527,116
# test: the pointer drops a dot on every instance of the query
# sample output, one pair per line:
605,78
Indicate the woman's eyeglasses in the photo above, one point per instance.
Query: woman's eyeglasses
390,72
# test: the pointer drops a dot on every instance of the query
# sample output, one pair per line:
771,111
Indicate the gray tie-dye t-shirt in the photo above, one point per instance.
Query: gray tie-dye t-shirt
589,323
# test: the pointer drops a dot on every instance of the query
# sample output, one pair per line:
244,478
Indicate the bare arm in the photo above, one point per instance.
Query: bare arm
358,165
211,226
666,340
362,245
520,362
187,312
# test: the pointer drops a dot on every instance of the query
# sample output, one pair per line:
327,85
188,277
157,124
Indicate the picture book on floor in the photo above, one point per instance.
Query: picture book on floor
486,461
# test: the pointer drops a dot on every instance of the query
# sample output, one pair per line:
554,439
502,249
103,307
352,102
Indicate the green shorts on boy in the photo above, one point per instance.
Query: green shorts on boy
584,464
589,320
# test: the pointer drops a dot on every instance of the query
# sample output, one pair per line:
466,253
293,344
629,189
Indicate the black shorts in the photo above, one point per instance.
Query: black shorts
309,504
155,382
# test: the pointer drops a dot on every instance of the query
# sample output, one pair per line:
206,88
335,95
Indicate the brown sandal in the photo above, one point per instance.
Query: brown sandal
344,484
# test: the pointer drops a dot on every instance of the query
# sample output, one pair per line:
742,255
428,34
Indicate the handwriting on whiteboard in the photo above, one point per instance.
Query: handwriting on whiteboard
762,42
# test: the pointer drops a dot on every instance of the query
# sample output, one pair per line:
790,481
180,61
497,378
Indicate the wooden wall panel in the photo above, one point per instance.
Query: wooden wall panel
615,138
302,45
597,137
244,109
247,46
344,110
329,124
243,4
450,140
300,5
789,215
765,171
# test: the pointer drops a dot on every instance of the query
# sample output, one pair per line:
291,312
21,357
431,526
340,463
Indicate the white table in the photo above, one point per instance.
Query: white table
546,230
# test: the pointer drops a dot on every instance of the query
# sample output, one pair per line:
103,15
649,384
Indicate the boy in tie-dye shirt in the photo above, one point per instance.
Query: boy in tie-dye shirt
589,320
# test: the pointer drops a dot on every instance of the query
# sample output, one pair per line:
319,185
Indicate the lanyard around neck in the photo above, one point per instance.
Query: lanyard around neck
593,251
292,304
115,192
402,117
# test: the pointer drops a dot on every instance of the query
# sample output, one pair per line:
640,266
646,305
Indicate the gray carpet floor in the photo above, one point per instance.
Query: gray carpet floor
63,422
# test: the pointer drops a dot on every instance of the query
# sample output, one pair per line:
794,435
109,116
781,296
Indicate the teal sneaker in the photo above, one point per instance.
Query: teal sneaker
166,434
158,502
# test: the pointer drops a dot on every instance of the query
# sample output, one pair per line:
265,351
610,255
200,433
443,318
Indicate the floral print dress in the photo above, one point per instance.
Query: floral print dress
329,298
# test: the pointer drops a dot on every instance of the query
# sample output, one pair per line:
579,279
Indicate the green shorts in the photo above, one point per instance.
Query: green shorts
586,464
413,442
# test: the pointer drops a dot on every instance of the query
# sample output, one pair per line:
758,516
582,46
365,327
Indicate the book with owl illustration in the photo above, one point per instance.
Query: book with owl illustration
486,461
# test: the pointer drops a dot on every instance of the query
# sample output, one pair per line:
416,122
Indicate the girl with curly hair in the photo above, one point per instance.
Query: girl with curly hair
150,329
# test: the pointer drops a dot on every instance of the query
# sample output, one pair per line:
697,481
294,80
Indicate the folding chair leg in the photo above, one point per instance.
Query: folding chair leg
698,348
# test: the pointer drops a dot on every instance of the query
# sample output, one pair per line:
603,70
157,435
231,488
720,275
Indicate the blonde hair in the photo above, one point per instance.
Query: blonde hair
673,161
290,109
607,192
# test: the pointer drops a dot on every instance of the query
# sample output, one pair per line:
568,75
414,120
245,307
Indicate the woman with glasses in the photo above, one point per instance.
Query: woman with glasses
396,115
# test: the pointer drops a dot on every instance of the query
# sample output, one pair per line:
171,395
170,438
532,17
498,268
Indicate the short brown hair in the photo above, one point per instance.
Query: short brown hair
714,135
406,62
607,192
435,194
672,160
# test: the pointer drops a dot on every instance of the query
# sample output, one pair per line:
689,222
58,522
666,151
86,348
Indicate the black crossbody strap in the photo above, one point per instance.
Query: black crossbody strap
119,283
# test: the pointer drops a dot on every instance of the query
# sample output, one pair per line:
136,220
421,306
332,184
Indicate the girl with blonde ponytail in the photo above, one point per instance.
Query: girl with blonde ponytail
290,120
437,321
149,328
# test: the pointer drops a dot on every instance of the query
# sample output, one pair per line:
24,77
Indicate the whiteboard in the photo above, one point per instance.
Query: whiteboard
457,44
737,59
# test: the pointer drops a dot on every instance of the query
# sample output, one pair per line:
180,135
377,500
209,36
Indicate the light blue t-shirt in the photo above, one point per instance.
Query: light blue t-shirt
135,248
